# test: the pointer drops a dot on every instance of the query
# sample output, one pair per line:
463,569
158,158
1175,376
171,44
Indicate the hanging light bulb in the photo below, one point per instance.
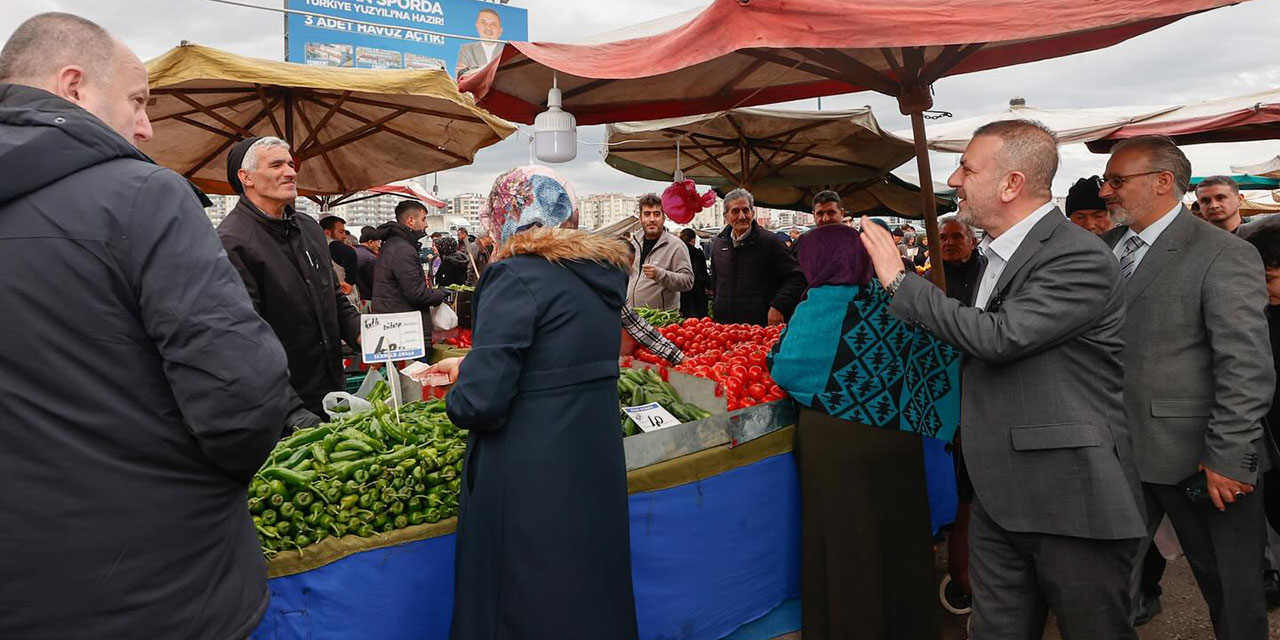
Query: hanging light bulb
555,131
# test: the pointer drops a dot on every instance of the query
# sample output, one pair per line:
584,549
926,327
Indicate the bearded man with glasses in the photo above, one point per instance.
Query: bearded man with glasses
1198,376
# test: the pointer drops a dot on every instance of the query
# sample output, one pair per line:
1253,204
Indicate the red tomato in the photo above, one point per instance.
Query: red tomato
756,390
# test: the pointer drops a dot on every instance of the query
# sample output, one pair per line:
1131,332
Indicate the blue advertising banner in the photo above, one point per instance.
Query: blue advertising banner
376,34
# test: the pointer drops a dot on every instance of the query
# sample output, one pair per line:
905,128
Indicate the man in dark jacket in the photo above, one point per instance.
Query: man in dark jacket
757,280
399,283
693,303
960,259
335,231
141,391
366,260
281,259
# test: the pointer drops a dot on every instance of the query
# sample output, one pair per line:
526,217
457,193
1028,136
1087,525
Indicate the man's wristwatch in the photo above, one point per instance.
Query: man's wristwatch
896,282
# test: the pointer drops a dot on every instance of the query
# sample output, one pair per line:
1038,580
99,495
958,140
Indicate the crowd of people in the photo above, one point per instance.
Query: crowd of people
1102,368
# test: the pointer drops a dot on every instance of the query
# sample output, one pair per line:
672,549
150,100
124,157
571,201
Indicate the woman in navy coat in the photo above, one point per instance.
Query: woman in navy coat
543,545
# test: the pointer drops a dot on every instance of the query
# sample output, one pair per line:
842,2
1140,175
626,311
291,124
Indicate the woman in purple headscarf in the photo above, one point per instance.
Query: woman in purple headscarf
869,383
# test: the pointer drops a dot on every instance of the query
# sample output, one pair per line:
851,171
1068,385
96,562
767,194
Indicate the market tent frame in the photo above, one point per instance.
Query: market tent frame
740,53
362,128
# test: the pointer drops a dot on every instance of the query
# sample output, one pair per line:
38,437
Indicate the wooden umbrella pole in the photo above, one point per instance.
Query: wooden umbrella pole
927,204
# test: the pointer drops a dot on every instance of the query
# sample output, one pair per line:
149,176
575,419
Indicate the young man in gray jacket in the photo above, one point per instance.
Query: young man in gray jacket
661,269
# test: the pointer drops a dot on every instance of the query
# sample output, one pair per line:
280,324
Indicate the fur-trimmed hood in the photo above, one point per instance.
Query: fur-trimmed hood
600,262
558,245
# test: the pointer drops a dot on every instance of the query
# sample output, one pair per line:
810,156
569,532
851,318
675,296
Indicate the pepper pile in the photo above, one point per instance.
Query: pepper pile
732,355
463,339
361,475
637,387
658,317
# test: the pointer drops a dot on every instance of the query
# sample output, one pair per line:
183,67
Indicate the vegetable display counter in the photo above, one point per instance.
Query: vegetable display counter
715,542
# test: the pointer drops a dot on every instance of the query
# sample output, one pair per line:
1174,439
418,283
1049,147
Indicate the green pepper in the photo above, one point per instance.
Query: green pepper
380,520
378,507
366,500
284,527
332,494
351,487
303,498
387,527
295,478
417,517
375,470
353,434
360,475
364,531
286,510
353,445
434,478
343,456
302,540
365,515
407,465
316,508
433,515
276,500
261,490
318,453
269,517
455,485
349,501
415,503
306,436
401,521
448,473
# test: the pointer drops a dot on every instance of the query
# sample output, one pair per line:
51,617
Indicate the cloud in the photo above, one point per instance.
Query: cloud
1211,55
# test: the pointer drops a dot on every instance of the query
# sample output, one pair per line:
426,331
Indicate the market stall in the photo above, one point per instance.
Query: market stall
714,504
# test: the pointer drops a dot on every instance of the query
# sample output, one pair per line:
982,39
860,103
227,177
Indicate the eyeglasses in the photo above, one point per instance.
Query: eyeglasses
1115,182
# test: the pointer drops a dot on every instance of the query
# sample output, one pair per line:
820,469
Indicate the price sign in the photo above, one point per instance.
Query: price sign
651,417
388,337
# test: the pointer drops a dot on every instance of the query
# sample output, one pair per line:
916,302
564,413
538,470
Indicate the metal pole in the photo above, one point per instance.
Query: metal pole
927,204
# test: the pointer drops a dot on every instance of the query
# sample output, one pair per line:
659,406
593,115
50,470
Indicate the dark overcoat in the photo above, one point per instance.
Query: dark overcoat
543,544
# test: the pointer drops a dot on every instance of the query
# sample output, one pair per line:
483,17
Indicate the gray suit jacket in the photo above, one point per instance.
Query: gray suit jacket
471,57
1041,411
1199,374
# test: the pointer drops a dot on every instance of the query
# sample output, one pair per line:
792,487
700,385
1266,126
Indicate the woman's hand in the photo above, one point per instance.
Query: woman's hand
449,367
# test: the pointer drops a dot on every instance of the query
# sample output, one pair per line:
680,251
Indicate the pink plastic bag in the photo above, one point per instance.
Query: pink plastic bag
681,201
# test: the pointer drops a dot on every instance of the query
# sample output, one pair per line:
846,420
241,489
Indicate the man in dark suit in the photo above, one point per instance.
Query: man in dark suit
1198,375
1056,520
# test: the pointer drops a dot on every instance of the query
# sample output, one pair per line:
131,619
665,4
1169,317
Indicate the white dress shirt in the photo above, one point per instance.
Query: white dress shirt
489,48
997,251
1148,236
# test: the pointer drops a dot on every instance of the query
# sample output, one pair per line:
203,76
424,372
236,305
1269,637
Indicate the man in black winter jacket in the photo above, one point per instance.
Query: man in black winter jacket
139,390
281,259
756,277
399,283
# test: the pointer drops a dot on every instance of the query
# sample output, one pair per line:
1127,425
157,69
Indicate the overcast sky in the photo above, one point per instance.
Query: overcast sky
1226,52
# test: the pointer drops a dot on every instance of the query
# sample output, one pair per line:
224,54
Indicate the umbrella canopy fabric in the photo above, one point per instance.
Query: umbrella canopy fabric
740,53
784,157
1254,116
350,129
1268,169
1070,125
409,192
1246,182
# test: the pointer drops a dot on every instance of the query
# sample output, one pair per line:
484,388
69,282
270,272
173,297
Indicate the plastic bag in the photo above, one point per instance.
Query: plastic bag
340,404
443,317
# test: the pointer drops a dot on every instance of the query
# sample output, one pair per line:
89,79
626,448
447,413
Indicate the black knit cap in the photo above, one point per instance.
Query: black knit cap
235,158
1084,195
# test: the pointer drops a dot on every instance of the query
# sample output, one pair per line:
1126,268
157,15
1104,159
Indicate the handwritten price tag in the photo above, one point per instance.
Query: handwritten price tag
388,337
650,417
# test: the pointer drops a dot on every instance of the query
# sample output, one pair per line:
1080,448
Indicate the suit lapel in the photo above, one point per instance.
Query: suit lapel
1030,245
1160,254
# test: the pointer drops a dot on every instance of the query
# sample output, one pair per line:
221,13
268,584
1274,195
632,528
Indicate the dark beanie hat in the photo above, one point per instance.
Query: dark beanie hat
1084,195
370,234
235,158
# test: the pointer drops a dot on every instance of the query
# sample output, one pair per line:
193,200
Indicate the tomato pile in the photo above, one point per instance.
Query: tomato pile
463,339
732,355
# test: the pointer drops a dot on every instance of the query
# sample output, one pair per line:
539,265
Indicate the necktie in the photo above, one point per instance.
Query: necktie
1128,259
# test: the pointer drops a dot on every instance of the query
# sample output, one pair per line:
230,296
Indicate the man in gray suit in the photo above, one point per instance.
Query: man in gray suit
1056,520
1198,374
473,55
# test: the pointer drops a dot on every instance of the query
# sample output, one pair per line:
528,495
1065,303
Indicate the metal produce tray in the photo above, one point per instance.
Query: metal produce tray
733,429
